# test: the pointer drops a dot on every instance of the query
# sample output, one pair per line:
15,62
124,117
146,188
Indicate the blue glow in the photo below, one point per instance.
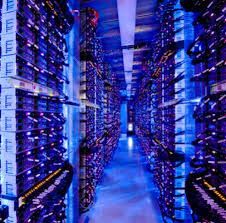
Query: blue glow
130,143
123,118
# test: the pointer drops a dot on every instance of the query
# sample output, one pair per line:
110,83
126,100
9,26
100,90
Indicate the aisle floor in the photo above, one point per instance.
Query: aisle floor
127,193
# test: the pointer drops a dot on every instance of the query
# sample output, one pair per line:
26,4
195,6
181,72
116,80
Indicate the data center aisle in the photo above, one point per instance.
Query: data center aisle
127,193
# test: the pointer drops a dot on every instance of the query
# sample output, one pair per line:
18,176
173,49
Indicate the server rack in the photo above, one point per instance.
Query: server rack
34,174
161,108
205,185
99,93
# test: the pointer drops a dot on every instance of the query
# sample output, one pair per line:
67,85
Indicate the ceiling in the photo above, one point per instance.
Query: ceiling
109,32
127,23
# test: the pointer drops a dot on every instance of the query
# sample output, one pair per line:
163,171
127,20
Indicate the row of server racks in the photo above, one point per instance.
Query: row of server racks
44,177
180,110
35,173
100,114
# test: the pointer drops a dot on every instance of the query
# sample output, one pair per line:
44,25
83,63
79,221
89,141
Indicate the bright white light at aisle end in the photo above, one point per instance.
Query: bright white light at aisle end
130,127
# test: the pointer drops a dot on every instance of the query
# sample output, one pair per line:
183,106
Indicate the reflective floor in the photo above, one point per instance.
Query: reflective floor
127,193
